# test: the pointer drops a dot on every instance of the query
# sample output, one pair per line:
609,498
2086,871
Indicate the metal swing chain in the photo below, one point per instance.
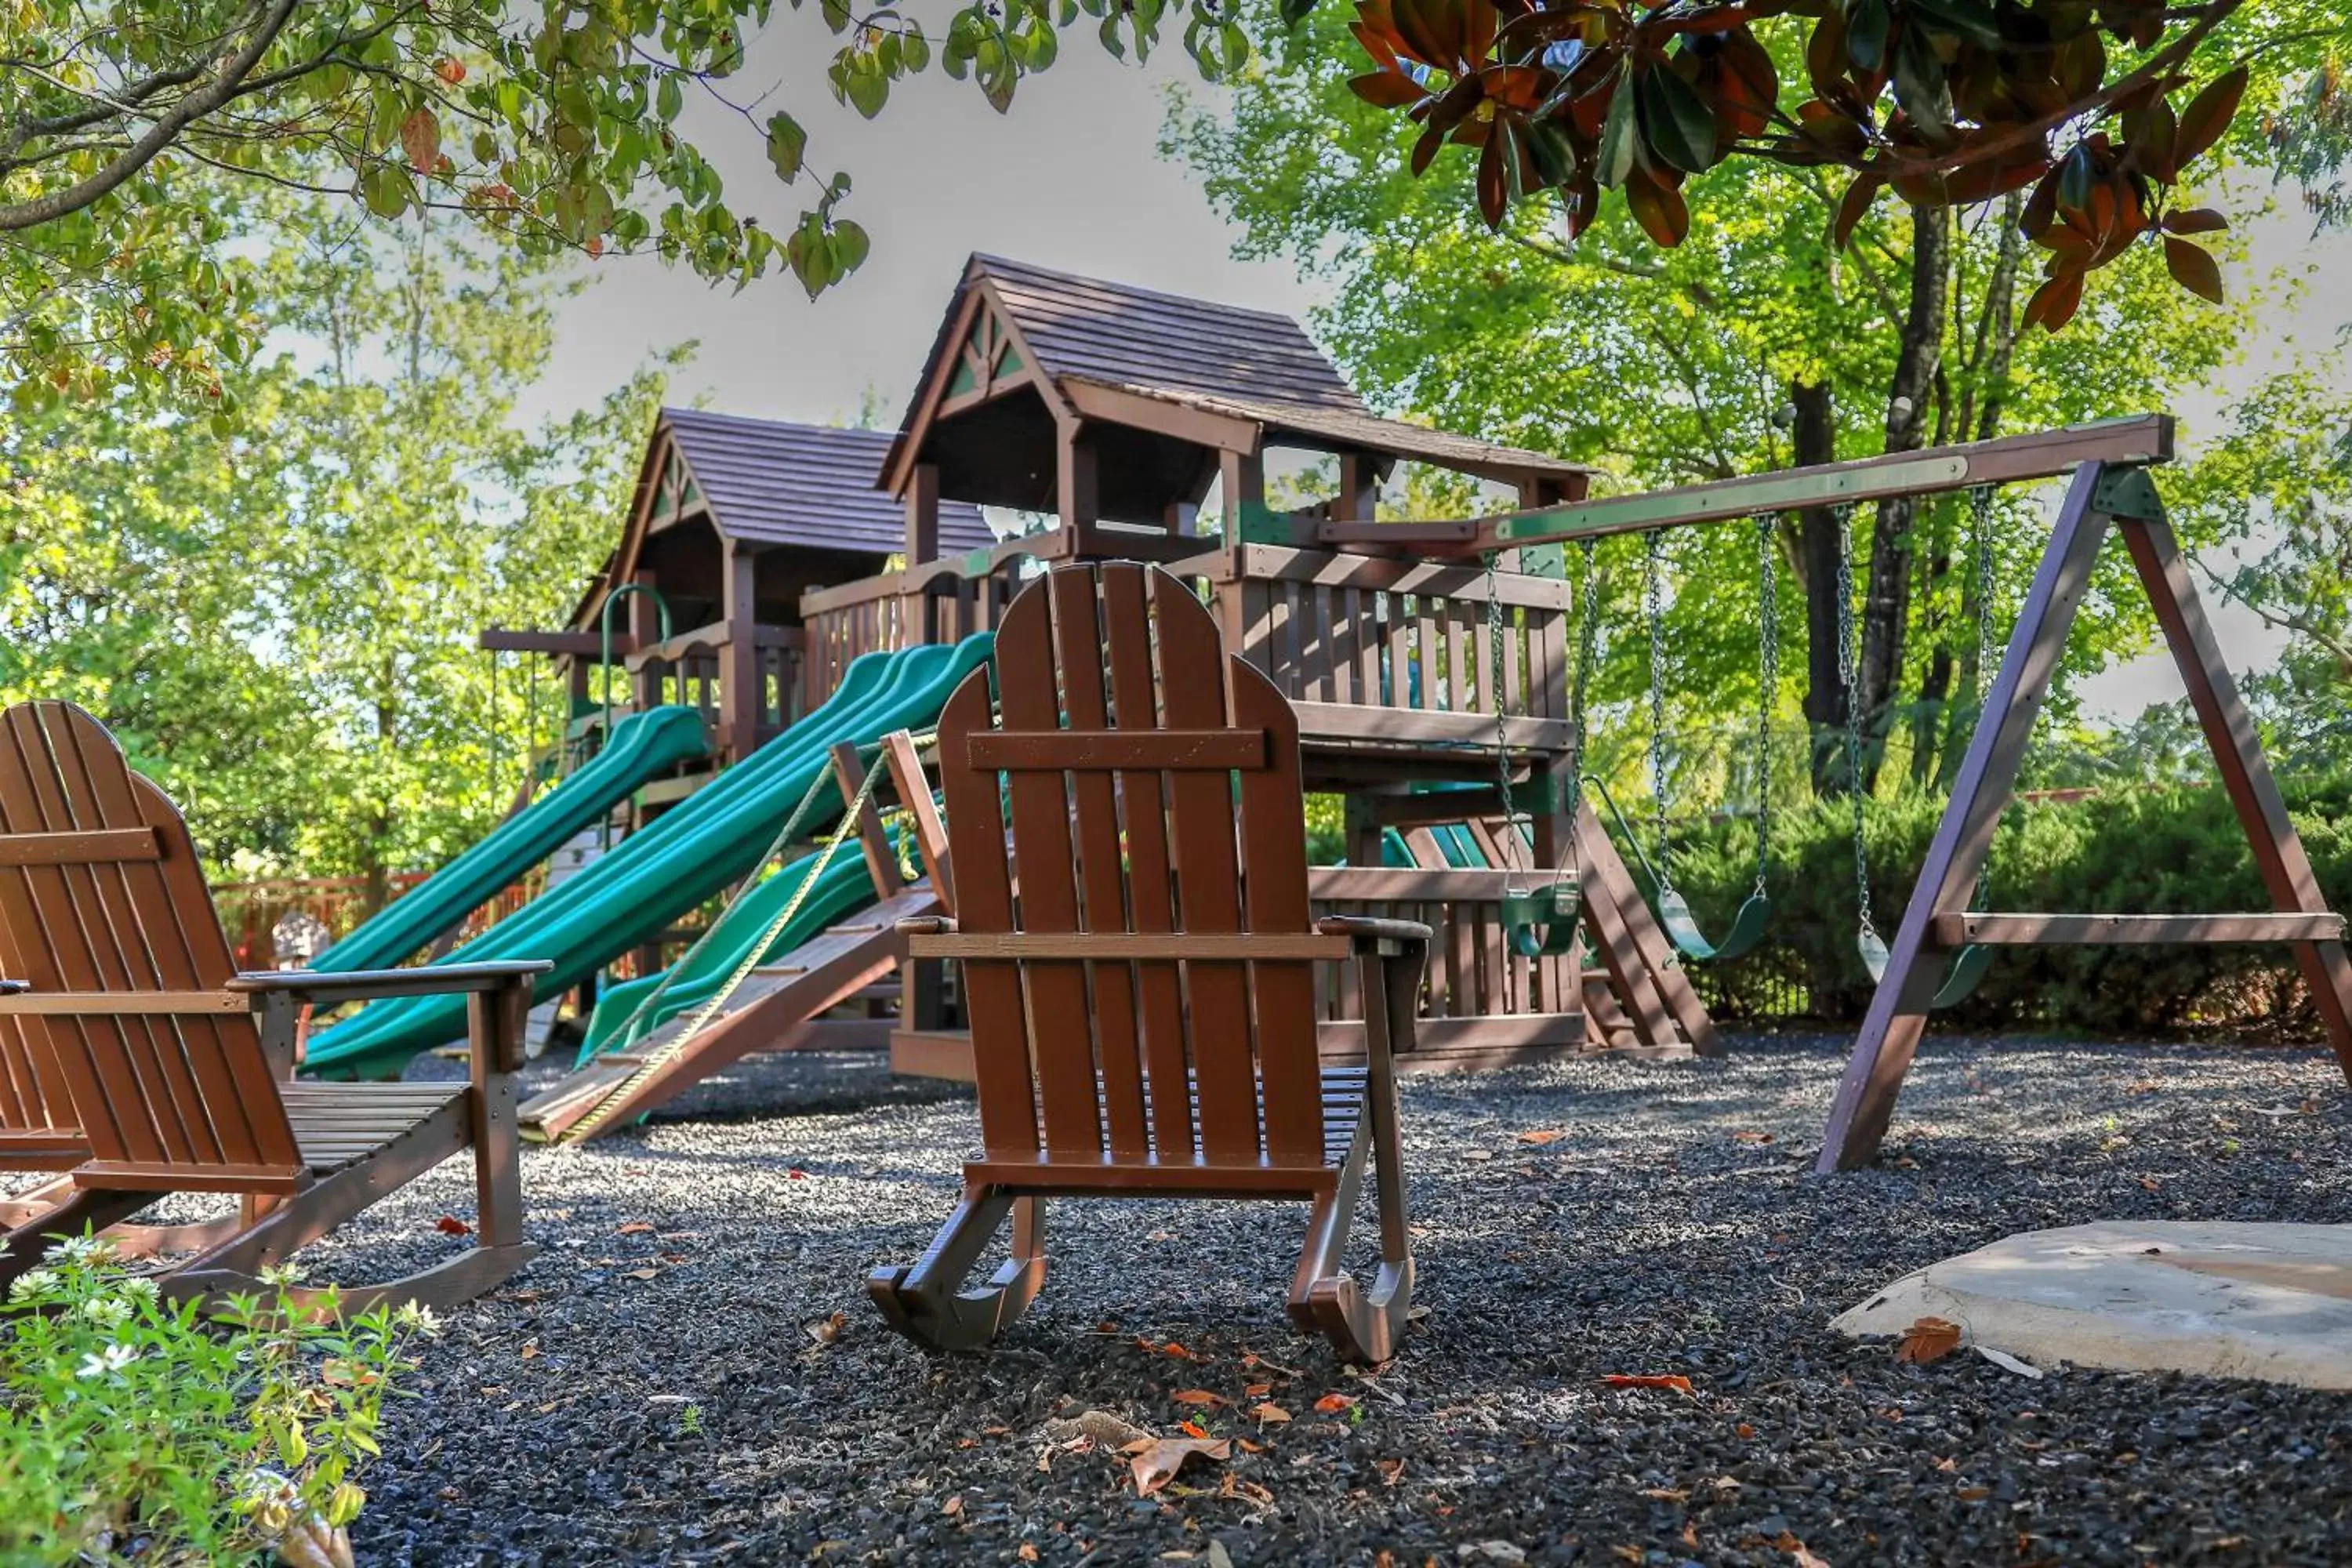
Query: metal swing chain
1588,637
1850,672
1494,700
1653,548
1767,595
1980,545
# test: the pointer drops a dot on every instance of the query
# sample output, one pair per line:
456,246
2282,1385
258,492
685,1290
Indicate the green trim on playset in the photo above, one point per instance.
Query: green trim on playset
1763,494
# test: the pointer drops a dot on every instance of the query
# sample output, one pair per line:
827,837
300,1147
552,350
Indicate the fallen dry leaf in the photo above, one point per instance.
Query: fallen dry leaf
642,1274
1973,1494
1027,1553
1928,1340
529,1350
1666,1494
1249,1447
1198,1396
1332,1403
1154,1461
1391,1470
829,1329
1542,1135
1477,1155
637,1226
1191,1429
450,1224
1752,1135
1672,1380
1269,1414
1744,1430
953,1506
1257,1390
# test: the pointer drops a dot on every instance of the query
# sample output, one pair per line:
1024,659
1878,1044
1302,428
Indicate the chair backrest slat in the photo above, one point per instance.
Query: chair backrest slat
1129,1060
153,1089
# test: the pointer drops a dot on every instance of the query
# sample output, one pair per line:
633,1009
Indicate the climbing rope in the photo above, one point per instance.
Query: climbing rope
753,954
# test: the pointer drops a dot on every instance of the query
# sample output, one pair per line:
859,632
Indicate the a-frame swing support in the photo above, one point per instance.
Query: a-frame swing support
2110,492
2104,497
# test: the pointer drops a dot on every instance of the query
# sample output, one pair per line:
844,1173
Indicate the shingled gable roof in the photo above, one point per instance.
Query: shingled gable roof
1257,365
772,482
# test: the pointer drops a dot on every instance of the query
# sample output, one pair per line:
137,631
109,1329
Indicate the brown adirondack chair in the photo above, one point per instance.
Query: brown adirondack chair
122,1008
1143,1016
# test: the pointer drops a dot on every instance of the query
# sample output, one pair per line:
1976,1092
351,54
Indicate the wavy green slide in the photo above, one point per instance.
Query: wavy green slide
844,890
687,855
644,746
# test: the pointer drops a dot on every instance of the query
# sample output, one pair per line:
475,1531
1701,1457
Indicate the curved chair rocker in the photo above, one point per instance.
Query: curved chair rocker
1144,1024
174,1067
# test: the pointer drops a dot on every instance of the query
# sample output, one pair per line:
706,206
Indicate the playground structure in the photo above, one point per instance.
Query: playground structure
1434,671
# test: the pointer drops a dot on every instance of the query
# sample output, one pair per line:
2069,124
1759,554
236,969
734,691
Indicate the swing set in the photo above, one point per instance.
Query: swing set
1944,943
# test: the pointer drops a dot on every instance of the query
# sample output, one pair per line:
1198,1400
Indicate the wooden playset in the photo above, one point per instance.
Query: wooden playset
1111,928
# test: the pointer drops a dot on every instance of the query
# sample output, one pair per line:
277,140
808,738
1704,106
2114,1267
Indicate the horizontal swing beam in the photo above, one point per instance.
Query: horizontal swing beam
2141,438
2131,930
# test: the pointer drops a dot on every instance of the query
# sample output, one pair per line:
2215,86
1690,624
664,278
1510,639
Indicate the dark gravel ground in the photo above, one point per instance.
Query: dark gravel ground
677,1395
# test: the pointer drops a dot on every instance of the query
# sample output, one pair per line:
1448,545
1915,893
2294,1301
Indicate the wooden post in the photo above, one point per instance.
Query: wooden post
738,661
923,514
881,867
1359,490
1241,482
645,631
495,1021
2278,851
1076,492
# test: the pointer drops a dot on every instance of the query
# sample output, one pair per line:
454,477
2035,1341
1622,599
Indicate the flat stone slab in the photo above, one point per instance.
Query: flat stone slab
2266,1301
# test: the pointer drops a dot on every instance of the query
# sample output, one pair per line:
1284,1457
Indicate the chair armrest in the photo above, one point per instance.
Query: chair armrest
1370,931
367,984
927,925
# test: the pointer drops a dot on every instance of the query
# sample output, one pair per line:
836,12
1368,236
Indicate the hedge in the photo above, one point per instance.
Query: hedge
2159,849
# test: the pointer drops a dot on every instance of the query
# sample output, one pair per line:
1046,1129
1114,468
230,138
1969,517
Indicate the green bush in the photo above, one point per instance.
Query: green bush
132,1430
2161,850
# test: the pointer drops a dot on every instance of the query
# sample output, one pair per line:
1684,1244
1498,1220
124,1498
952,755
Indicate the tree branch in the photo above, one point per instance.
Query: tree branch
203,100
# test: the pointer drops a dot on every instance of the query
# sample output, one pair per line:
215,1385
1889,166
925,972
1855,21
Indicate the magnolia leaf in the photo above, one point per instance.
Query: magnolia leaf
2193,267
1386,89
787,143
669,98
2208,116
2195,220
1659,209
1676,123
1854,205
1614,160
1868,23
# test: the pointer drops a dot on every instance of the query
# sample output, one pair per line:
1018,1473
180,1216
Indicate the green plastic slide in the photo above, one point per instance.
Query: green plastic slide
644,746
844,890
687,855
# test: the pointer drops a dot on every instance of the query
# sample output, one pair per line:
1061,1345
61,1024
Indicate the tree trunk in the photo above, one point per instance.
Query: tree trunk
1887,603
1815,441
1985,399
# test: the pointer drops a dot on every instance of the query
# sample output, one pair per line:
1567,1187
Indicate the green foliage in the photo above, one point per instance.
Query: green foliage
553,127
125,1418
1671,367
2098,106
280,624
2133,850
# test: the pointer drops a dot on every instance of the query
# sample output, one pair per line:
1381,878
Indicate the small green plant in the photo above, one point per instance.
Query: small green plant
125,1417
689,1421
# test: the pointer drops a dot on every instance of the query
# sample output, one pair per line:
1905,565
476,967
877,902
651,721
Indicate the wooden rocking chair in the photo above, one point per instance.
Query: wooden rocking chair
123,1005
1143,1024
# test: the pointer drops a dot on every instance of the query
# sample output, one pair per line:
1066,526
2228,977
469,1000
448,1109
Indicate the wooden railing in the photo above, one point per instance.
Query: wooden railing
1356,642
689,670
938,602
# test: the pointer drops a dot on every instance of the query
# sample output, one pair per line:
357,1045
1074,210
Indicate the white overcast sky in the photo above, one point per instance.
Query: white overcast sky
1069,179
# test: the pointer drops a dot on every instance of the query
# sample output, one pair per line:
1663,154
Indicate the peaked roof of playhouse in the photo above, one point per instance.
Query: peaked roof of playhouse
1139,349
810,485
